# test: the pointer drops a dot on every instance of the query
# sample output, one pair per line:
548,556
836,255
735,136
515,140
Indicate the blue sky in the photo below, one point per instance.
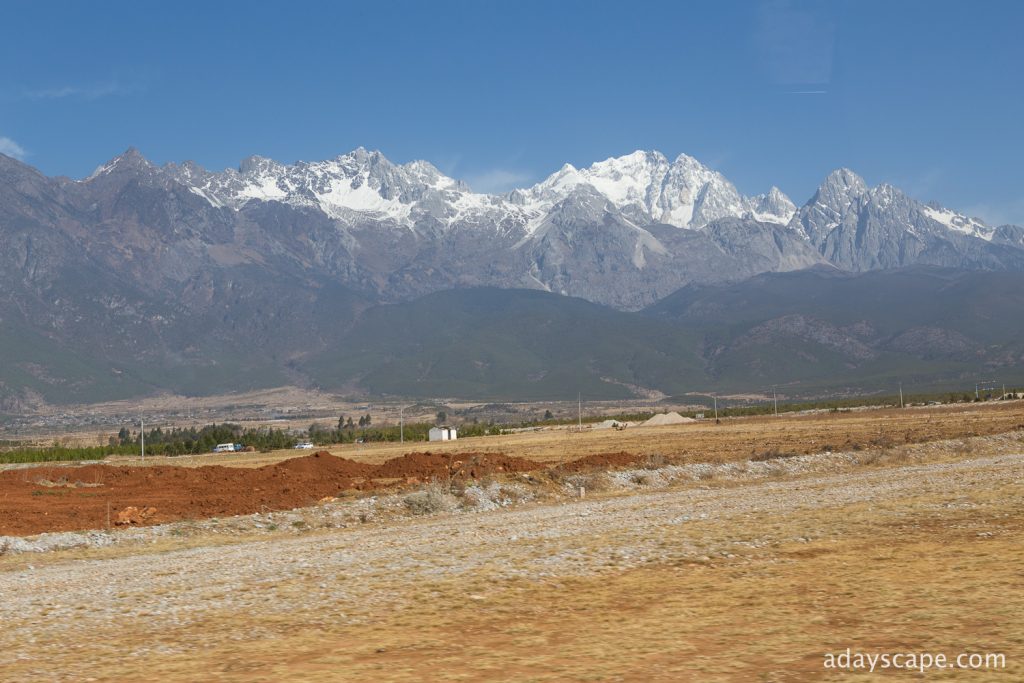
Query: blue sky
926,95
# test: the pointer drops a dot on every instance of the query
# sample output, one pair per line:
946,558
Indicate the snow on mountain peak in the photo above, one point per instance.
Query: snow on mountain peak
958,222
363,188
772,207
844,199
646,186
358,182
643,186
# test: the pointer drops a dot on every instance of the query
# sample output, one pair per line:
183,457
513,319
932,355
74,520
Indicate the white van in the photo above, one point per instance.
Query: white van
224,448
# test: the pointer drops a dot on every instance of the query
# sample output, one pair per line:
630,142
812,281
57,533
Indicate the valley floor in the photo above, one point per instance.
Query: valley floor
731,579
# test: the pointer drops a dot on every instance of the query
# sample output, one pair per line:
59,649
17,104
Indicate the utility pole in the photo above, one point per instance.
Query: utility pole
775,400
579,401
401,425
142,436
901,394
716,408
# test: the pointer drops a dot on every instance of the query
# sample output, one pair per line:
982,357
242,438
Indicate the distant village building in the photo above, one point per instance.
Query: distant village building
443,434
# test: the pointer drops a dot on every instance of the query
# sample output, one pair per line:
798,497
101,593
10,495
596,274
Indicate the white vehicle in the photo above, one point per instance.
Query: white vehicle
224,448
304,444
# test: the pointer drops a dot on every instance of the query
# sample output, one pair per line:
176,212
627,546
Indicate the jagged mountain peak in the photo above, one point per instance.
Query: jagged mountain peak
843,192
359,182
773,207
131,154
641,158
647,187
842,182
585,196
257,164
859,228
643,187
9,164
884,194
684,160
176,257
130,160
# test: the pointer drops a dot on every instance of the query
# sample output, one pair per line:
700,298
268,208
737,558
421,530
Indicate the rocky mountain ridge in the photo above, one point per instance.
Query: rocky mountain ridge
394,231
176,276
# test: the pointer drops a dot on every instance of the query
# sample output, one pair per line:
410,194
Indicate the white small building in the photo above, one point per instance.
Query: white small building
443,434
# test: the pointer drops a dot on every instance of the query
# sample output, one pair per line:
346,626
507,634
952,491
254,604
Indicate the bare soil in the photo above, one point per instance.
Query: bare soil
755,580
54,498
603,461
67,498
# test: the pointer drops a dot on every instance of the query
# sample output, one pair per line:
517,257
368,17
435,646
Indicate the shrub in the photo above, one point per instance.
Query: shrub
428,501
645,479
705,474
588,482
870,458
772,454
655,461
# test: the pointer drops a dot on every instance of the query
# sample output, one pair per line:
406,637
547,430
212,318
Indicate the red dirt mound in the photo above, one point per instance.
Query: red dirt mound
462,466
601,461
420,465
321,463
51,498
489,464
90,495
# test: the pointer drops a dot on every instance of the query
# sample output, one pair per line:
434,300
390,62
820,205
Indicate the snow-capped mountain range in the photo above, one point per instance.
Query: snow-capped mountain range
362,185
643,186
625,231
203,276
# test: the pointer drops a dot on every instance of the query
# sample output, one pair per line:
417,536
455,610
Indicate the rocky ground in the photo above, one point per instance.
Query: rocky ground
350,584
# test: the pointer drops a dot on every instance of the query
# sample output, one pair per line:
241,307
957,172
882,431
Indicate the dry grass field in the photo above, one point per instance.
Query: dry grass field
704,441
922,551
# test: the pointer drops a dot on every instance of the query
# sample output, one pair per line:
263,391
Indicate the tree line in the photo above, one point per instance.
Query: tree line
176,441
